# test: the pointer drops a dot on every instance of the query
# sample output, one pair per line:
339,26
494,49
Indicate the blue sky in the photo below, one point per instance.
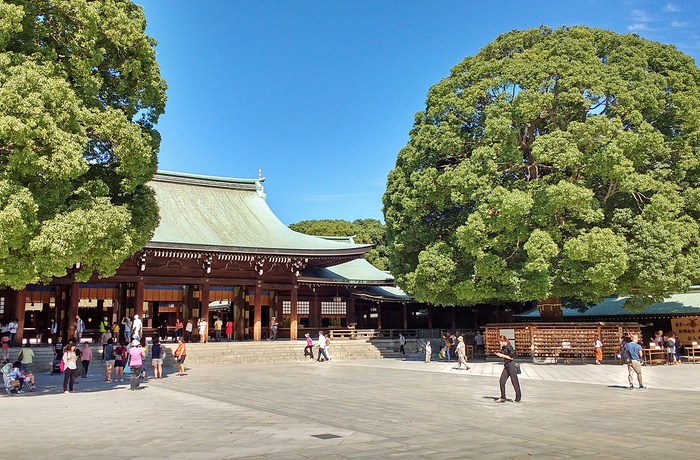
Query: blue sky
321,95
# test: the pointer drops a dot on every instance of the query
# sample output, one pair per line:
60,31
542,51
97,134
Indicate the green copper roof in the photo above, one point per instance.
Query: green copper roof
687,303
229,215
357,271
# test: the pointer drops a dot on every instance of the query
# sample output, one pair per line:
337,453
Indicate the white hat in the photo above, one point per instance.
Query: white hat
136,316
135,343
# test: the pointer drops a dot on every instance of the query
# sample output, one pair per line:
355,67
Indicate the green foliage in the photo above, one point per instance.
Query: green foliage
363,231
80,92
552,163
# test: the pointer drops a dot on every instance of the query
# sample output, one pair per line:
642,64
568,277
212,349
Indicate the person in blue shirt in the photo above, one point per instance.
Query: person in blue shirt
635,364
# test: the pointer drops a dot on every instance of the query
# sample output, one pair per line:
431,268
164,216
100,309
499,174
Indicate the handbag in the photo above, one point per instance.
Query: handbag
517,368
127,369
62,366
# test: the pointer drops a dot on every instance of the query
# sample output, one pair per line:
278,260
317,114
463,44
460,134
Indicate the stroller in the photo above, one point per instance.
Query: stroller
14,380
56,367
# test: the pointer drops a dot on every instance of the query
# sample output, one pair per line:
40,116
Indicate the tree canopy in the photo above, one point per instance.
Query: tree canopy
364,231
556,163
80,92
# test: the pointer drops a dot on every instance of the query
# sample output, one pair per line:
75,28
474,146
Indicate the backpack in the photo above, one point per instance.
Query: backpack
626,355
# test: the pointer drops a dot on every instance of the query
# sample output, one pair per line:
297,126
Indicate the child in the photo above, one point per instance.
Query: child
428,351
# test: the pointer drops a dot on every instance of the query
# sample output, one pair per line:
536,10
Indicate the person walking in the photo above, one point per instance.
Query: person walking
328,347
13,328
69,359
309,348
79,328
321,347
136,353
180,356
428,351
86,357
402,344
598,345
461,354
136,328
632,354
26,357
510,370
105,334
229,329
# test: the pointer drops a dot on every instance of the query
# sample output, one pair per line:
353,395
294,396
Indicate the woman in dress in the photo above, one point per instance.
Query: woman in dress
598,345
509,370
229,329
69,367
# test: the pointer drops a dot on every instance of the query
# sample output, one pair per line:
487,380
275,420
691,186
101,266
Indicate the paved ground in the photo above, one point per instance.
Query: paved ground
366,409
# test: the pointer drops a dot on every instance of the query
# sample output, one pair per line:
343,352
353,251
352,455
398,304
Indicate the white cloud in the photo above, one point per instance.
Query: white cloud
637,27
671,8
679,24
640,16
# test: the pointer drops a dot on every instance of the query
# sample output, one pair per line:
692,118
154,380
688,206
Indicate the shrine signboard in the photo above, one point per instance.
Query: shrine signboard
687,328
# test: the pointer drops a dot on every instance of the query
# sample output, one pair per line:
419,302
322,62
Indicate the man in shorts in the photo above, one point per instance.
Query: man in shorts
635,364
109,359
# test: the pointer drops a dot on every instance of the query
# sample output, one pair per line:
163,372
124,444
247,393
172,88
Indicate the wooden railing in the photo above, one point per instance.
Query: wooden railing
365,334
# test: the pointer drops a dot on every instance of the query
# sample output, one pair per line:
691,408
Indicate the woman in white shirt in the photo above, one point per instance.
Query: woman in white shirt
69,368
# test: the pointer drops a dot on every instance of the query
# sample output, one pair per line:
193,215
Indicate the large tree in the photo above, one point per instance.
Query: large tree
80,92
364,231
552,163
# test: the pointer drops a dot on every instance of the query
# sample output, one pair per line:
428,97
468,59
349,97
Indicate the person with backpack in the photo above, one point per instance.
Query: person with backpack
632,355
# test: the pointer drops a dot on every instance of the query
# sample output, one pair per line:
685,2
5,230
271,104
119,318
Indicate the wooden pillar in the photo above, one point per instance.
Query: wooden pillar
257,315
138,300
293,319
404,312
430,316
205,308
379,315
350,313
239,322
315,312
73,310
20,306
453,317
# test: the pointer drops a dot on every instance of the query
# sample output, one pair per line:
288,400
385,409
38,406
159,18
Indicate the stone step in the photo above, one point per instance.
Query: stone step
239,352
